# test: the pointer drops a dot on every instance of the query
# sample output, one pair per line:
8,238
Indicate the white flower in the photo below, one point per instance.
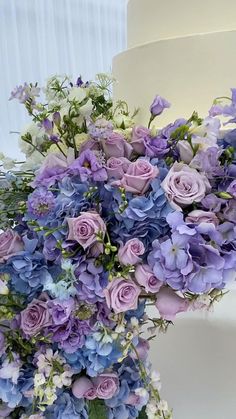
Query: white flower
11,370
141,392
39,379
8,163
33,162
86,109
123,121
77,93
3,288
37,134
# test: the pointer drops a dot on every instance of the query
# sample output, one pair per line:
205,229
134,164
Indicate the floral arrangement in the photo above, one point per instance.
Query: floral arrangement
103,219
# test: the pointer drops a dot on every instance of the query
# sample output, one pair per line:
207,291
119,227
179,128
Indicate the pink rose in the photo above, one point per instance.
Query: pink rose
83,387
142,350
107,385
130,252
184,185
122,295
116,167
10,245
138,177
84,229
116,146
145,277
35,317
169,303
139,133
199,216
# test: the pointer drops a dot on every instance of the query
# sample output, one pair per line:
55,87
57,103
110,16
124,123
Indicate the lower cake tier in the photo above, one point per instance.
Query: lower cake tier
186,71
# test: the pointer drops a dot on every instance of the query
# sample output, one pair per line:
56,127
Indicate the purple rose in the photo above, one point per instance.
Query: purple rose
61,310
83,388
116,167
85,228
169,303
199,216
156,146
139,133
184,185
10,245
158,105
232,188
129,253
116,146
122,295
138,177
107,385
145,277
35,317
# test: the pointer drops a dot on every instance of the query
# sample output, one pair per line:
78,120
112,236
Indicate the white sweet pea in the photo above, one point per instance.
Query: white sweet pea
123,121
38,136
77,93
86,109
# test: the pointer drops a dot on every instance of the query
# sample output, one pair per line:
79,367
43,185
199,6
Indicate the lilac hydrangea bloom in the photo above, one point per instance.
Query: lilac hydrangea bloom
91,281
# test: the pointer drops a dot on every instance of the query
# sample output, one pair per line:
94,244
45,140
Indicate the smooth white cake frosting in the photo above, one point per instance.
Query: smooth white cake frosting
188,70
152,20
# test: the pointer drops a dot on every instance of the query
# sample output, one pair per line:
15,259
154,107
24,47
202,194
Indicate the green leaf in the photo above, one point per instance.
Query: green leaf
97,409
142,414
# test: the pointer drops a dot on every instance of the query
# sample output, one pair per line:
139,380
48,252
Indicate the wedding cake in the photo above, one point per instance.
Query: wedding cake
183,50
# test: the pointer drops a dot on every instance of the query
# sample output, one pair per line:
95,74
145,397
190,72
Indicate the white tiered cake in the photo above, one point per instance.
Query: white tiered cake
184,50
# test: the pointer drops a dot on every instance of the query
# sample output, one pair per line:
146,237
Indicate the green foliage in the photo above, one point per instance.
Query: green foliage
97,409
142,414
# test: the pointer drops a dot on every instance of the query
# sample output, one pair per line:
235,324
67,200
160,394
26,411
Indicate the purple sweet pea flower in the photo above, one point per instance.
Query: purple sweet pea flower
88,167
158,105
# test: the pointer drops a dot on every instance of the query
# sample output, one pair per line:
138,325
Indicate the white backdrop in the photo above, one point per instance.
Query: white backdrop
39,38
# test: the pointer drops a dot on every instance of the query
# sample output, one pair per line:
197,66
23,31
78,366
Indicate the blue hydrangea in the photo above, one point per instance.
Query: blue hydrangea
67,407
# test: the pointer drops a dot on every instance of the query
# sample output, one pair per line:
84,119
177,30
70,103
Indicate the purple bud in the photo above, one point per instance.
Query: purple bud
158,105
54,138
48,125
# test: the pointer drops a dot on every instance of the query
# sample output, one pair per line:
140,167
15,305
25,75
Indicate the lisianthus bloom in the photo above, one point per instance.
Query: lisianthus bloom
158,105
88,167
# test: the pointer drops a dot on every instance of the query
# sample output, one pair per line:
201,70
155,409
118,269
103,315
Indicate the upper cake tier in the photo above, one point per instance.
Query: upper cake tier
180,50
152,20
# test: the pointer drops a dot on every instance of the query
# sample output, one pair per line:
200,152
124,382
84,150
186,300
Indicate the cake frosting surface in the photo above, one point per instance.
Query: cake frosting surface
182,50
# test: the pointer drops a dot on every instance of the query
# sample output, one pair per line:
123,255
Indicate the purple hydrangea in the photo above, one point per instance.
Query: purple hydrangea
91,281
40,203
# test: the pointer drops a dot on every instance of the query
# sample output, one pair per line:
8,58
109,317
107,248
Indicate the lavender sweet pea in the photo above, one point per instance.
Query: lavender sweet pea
107,385
169,303
85,229
130,252
10,245
138,177
199,216
184,185
35,318
122,295
88,167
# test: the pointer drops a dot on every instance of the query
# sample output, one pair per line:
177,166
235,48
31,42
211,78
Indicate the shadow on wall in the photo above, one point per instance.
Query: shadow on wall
197,362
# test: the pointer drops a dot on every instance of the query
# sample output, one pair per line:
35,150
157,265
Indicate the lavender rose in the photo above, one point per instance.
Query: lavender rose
158,105
139,133
35,317
83,387
184,185
130,252
10,244
199,216
138,177
145,277
122,295
116,146
84,229
107,385
116,167
169,303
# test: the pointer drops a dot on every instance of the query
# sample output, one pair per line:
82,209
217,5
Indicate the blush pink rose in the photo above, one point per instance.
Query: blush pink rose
83,387
145,277
85,227
129,253
138,177
10,245
107,385
116,146
116,167
169,303
184,185
122,295
139,133
199,216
